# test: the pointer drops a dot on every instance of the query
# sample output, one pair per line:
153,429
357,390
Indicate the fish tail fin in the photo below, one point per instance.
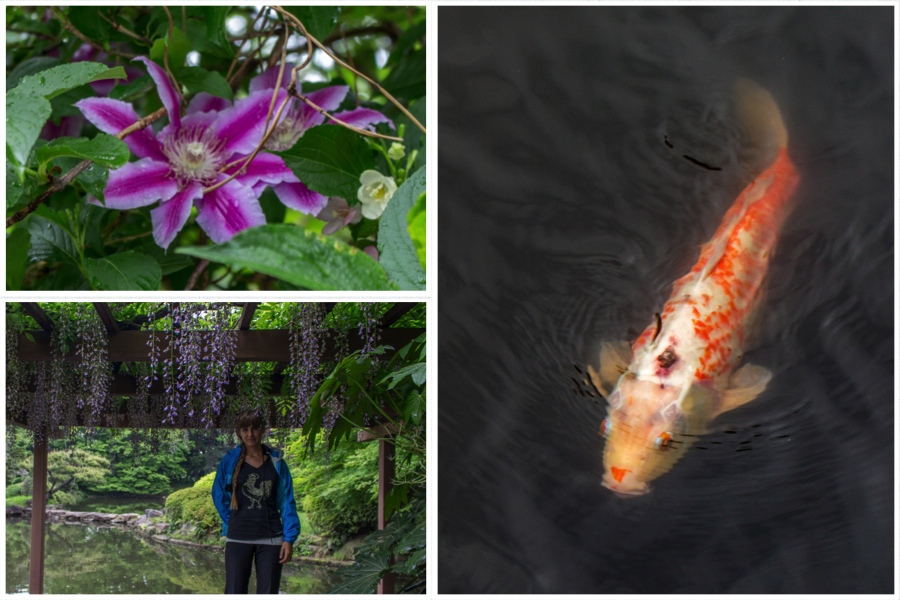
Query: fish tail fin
760,118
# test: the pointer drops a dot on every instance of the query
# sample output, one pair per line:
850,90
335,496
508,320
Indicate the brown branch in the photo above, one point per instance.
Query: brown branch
66,179
122,29
294,20
388,29
201,266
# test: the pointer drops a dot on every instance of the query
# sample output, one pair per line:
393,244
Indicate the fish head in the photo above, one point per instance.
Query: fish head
649,426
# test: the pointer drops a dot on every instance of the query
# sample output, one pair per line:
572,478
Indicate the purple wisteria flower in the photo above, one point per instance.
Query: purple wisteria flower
195,151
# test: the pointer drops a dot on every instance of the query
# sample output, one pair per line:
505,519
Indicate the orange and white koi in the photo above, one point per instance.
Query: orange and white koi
680,372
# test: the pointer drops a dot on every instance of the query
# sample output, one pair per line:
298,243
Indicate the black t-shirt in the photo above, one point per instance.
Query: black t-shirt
257,513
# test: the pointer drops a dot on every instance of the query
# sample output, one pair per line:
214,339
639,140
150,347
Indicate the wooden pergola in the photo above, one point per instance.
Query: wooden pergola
127,343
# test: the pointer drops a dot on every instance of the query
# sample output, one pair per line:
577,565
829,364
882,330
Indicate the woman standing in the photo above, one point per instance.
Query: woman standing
254,494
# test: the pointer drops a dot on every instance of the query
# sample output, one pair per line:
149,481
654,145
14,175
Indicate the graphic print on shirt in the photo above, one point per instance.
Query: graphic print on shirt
256,494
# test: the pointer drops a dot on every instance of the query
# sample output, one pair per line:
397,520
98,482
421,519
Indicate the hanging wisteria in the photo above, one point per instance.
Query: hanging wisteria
188,374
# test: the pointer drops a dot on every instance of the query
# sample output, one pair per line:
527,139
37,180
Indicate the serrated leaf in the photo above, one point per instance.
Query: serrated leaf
13,186
300,257
318,20
124,271
200,80
417,221
105,150
17,246
396,251
329,160
50,241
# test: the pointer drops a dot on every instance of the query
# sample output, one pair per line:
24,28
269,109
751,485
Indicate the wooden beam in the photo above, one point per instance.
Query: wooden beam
394,313
247,315
37,313
105,315
386,460
271,345
38,517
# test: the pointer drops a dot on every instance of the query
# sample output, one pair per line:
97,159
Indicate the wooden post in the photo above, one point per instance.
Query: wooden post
386,454
38,517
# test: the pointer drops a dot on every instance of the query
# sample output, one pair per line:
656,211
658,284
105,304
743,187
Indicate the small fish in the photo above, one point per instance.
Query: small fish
681,372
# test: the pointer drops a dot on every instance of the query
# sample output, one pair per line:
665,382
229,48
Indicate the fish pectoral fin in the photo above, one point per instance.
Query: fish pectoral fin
745,384
614,359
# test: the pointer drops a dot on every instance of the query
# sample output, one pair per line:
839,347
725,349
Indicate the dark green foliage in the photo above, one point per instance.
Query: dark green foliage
194,505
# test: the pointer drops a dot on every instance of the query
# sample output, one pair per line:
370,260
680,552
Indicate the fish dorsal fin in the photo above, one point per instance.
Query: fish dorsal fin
614,359
745,384
753,192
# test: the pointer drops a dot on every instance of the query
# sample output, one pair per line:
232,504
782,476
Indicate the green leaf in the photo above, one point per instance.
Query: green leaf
407,79
413,138
138,88
396,250
87,20
49,239
300,257
329,160
179,46
319,21
17,246
416,219
61,79
207,28
30,66
200,80
363,576
105,150
28,106
25,117
13,186
124,271
94,180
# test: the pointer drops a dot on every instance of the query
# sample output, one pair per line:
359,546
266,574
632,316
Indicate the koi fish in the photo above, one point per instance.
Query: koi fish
681,373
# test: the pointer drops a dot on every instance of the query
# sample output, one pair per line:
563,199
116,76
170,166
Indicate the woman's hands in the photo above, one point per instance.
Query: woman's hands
287,550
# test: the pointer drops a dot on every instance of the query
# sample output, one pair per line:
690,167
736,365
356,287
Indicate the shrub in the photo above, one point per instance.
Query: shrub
194,505
14,490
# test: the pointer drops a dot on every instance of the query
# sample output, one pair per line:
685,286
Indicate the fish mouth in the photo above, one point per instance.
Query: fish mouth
629,490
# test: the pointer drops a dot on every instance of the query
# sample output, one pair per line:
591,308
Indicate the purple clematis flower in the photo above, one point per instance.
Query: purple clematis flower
338,214
194,152
297,118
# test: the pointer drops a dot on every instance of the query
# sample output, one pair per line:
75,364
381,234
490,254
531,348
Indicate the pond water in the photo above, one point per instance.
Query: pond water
569,204
119,505
87,559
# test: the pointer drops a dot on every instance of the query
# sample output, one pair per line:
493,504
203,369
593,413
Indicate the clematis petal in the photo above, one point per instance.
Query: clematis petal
267,80
204,102
170,216
112,116
299,197
329,98
167,93
139,184
229,209
363,117
242,126
266,168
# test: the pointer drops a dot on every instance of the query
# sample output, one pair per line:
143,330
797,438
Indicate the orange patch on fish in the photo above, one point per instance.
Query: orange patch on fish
618,473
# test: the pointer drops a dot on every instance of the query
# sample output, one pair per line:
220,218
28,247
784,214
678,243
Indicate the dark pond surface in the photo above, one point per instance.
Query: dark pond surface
119,505
565,217
84,559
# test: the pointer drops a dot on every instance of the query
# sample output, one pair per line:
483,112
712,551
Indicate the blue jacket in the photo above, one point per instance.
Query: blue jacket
284,499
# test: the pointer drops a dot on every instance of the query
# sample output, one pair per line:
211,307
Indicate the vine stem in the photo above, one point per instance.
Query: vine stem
62,182
296,22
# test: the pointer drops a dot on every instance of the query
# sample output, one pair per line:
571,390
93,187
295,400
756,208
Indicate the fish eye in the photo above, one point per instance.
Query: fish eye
663,439
615,400
605,427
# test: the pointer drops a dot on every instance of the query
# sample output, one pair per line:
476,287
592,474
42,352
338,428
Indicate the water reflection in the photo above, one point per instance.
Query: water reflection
87,559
